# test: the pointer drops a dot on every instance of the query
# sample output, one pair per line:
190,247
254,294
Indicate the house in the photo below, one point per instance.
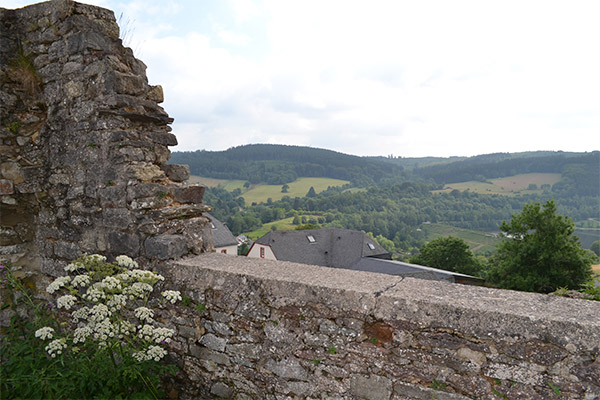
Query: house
223,240
344,248
329,247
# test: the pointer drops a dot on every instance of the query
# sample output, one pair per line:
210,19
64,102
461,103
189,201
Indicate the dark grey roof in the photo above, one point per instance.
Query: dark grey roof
332,247
222,236
400,268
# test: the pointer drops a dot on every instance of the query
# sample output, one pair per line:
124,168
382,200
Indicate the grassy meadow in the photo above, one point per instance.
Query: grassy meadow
228,185
479,242
510,185
260,193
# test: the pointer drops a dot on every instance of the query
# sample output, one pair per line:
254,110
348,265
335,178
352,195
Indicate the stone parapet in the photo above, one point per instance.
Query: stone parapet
266,329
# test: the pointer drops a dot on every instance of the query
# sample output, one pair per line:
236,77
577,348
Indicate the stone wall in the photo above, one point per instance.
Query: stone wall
252,328
84,146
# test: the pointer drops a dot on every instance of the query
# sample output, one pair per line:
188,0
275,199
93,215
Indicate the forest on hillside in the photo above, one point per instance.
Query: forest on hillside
279,164
399,194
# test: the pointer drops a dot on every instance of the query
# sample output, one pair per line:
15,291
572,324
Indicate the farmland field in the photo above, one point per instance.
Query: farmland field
509,185
479,242
260,193
212,182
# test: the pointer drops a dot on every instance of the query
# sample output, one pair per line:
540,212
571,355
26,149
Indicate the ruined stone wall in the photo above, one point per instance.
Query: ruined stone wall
84,146
260,329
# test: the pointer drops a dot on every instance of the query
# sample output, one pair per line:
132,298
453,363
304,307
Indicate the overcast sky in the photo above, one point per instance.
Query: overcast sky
408,78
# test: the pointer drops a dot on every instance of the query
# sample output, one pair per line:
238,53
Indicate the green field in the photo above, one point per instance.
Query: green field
479,243
260,193
510,185
228,185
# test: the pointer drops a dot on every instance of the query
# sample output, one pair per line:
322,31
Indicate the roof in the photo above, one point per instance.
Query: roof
392,267
222,236
329,247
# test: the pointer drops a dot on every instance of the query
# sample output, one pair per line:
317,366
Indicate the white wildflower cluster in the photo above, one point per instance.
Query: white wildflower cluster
116,302
110,283
155,353
172,295
138,290
44,333
81,334
81,280
67,301
94,293
126,262
144,314
56,347
58,283
103,330
145,276
74,267
97,257
150,333
101,305
81,313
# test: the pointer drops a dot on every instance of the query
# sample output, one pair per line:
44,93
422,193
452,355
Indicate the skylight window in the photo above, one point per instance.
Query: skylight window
371,246
311,238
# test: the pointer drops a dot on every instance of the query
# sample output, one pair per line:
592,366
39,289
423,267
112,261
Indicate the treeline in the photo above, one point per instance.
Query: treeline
394,212
580,171
279,164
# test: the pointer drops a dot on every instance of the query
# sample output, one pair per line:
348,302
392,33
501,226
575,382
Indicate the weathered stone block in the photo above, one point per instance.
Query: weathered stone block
123,243
67,250
176,172
289,368
373,387
12,170
213,342
165,247
189,194
221,390
6,187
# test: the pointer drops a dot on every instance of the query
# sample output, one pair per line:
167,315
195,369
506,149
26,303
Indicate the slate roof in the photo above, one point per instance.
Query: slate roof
392,267
348,249
332,247
222,236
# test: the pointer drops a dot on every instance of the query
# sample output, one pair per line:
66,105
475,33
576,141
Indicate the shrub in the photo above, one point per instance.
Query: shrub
98,339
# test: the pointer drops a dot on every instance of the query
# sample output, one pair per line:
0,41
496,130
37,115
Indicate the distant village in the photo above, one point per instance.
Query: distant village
329,247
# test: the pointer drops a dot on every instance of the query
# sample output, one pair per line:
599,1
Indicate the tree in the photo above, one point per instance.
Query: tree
285,188
448,253
595,247
539,252
311,192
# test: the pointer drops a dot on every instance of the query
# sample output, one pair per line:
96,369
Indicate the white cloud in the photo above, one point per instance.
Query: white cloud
402,77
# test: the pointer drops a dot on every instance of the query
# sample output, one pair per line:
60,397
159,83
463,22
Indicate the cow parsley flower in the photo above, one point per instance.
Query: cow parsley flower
67,301
144,314
74,266
44,333
81,280
126,262
81,313
172,295
110,283
56,347
81,334
58,283
116,302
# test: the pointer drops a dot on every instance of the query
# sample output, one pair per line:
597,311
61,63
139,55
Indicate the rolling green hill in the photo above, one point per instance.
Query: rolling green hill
279,164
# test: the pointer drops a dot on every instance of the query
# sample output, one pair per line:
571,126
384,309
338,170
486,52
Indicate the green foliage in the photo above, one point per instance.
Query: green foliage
84,368
305,227
285,188
592,288
539,253
279,164
595,247
448,253
311,192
